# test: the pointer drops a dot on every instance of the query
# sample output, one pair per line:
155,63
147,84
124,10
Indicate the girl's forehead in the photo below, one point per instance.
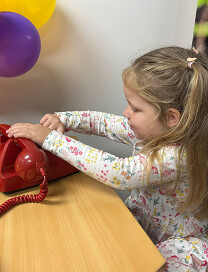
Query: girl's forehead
133,95
129,91
132,83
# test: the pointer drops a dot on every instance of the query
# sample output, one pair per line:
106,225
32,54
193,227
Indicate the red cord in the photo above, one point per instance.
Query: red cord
27,198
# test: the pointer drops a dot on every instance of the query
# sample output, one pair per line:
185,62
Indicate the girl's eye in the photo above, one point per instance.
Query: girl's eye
133,109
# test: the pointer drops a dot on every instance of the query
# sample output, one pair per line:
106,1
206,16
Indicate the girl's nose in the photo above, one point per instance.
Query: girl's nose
126,113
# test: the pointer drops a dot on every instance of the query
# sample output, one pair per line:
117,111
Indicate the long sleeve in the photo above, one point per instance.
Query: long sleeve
120,173
98,123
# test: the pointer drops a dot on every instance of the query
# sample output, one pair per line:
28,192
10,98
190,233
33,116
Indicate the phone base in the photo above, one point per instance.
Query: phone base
11,182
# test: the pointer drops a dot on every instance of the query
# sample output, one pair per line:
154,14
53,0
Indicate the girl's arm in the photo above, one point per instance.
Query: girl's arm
120,173
98,123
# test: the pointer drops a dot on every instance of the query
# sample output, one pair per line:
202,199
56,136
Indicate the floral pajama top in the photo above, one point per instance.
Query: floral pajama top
181,239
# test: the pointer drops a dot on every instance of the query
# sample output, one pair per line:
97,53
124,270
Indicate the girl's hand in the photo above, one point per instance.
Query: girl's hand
53,122
36,133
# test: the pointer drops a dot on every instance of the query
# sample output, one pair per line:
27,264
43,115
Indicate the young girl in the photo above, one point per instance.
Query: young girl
166,123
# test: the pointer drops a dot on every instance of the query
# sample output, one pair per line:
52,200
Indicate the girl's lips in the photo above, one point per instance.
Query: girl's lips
130,126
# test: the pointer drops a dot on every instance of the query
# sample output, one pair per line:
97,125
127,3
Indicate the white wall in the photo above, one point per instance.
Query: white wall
85,46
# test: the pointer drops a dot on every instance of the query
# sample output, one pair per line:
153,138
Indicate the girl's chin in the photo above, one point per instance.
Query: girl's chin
139,136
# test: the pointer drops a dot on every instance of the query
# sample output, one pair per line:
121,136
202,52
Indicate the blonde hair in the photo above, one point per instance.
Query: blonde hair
165,80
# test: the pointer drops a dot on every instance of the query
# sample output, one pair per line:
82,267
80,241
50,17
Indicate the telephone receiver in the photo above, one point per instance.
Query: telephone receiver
21,161
23,164
21,156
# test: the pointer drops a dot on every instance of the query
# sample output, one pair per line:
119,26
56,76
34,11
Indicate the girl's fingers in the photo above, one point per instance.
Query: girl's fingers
18,130
22,135
47,123
60,129
36,133
44,119
48,118
52,123
53,126
13,127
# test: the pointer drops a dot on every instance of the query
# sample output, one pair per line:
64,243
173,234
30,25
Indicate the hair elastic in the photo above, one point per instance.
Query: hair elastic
190,62
195,51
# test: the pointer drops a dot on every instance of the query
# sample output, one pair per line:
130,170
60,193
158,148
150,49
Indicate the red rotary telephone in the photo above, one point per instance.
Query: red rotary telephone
23,164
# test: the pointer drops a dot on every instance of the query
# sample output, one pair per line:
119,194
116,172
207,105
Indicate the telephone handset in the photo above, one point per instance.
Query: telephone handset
30,160
30,165
23,164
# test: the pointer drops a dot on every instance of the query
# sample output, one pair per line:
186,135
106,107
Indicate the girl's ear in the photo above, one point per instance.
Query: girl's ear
173,116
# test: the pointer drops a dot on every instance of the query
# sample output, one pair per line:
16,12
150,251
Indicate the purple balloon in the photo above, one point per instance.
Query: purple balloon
20,44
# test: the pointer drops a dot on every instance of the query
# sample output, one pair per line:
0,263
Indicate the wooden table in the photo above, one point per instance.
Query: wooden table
82,226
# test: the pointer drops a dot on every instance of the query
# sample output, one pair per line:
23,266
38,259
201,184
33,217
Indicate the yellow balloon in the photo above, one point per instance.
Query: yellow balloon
37,11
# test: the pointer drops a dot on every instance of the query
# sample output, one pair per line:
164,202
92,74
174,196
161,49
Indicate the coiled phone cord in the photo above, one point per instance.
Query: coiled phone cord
27,198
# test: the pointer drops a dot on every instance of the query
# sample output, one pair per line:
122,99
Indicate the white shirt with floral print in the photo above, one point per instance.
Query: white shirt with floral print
180,238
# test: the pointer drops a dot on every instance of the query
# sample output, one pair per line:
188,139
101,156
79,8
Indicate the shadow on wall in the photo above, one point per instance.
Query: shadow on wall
22,97
54,33
78,53
200,40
